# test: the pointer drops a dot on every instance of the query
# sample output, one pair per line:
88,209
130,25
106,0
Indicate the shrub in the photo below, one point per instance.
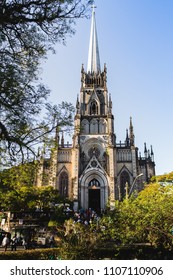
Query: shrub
39,254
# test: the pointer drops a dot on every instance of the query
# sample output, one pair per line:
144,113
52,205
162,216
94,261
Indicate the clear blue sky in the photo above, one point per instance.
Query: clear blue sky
136,42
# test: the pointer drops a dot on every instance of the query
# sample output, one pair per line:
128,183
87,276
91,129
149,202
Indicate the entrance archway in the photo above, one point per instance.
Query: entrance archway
94,199
93,190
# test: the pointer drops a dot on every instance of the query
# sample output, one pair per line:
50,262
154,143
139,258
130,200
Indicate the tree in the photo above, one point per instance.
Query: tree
19,200
79,241
47,196
147,218
168,177
28,29
17,191
18,176
154,206
26,198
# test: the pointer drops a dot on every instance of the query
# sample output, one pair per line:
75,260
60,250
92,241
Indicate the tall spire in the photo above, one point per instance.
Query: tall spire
152,154
132,136
93,54
127,141
145,149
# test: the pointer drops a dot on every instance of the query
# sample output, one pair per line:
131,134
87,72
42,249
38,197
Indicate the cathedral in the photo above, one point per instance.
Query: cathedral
95,170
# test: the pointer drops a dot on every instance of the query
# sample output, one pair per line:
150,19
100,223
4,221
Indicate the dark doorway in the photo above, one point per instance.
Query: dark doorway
94,199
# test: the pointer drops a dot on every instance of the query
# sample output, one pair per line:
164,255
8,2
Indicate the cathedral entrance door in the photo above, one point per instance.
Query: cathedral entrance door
94,199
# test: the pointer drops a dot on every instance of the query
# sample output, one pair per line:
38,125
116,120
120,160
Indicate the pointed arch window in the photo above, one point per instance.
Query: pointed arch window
94,126
102,126
94,183
85,126
124,180
63,184
93,108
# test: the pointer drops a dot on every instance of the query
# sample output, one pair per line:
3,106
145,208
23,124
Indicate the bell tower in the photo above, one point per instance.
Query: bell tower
94,138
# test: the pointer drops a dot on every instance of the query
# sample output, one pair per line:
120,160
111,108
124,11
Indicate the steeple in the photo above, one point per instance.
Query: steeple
132,137
145,150
93,54
152,154
127,138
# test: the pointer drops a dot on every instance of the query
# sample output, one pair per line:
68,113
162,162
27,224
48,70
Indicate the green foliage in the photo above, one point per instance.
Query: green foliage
145,219
163,178
17,176
39,254
18,194
155,207
16,187
80,241
28,198
135,252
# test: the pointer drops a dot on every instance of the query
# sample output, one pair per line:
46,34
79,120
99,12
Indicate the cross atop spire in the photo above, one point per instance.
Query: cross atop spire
93,54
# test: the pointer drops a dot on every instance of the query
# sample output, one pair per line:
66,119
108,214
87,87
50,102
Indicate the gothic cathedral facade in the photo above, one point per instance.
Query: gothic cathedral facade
95,170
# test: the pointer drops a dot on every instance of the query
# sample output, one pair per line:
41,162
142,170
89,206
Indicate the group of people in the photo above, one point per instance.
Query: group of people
7,241
86,217
13,242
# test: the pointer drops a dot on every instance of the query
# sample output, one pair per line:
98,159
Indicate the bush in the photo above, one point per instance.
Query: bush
126,253
39,254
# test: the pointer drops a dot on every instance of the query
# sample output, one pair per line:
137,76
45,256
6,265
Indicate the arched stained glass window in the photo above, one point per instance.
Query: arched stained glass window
63,184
